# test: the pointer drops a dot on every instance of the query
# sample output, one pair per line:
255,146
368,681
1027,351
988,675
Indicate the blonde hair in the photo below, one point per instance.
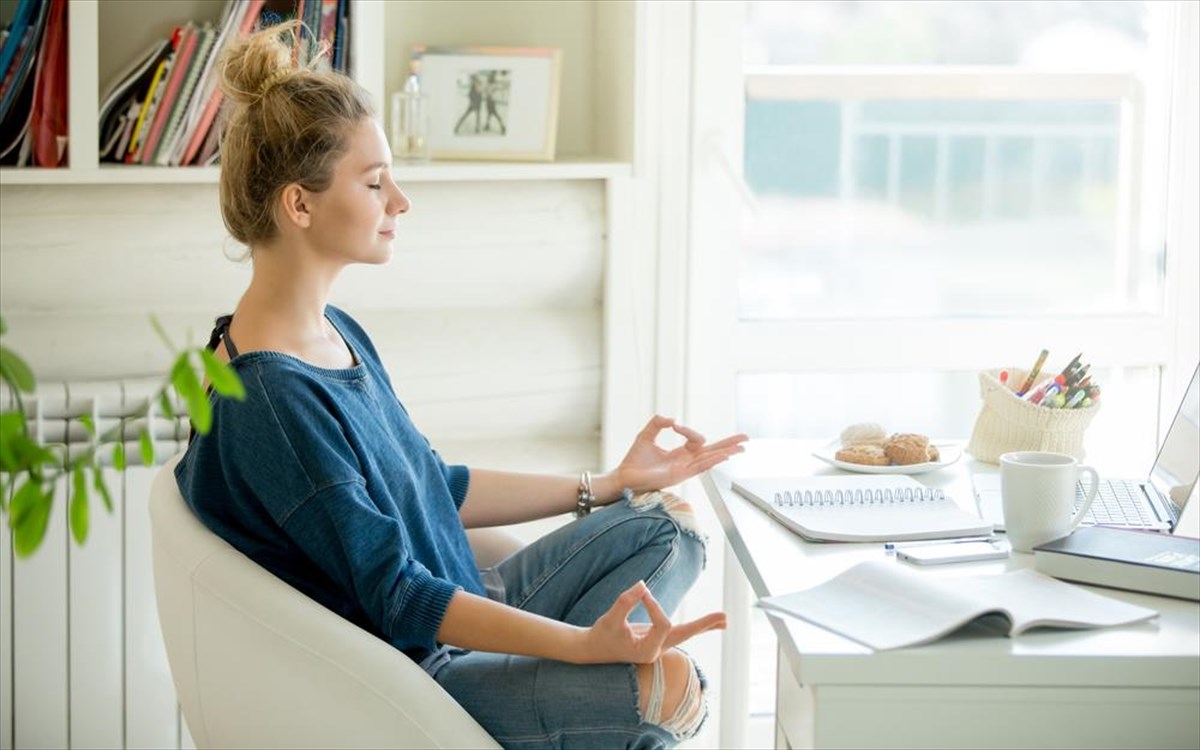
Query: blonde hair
283,124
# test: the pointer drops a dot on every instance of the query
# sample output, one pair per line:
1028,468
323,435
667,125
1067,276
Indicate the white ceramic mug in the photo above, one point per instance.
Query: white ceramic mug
1038,493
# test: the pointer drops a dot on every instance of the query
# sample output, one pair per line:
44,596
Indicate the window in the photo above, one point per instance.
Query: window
931,189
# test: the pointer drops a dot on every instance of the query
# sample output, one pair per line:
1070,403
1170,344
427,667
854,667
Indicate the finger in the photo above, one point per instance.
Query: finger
685,631
657,424
706,462
732,440
658,616
691,435
660,623
625,603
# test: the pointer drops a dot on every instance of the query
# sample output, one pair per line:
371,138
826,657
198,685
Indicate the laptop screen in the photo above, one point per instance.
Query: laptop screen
1178,463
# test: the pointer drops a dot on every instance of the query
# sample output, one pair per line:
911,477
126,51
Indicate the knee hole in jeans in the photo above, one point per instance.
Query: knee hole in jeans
673,504
671,696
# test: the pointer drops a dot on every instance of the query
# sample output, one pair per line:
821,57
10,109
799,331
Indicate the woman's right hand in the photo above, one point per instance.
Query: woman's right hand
613,639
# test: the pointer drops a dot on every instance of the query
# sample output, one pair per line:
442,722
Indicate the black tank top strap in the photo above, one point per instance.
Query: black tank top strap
220,332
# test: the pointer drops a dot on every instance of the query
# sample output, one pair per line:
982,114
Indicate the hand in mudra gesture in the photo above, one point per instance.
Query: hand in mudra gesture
613,639
648,467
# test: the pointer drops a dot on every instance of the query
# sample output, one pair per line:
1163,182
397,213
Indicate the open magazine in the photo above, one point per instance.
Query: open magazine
883,605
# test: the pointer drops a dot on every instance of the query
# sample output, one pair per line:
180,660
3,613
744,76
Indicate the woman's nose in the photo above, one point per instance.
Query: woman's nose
399,203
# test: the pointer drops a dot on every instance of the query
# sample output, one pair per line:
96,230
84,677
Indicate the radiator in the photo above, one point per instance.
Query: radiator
82,663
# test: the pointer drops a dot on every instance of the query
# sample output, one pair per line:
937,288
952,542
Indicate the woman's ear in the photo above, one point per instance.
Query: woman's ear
293,201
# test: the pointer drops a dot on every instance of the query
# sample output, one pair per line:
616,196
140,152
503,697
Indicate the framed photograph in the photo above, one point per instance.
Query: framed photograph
491,102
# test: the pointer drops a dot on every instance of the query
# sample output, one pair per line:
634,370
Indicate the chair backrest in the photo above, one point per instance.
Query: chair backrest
257,664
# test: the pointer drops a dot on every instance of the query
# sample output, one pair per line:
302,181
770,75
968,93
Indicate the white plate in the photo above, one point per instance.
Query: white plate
949,452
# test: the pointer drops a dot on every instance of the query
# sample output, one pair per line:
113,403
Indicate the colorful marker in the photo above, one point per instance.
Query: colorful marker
1037,368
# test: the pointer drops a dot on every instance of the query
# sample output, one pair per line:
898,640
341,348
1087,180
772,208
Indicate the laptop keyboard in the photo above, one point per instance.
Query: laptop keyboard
1119,503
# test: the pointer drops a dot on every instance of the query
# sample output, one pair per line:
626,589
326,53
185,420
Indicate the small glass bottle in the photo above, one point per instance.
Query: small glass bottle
410,122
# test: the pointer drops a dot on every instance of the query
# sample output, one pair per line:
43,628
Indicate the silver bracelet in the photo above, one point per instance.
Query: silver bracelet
584,498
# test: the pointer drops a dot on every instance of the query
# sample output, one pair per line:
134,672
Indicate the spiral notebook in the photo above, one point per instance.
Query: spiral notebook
876,508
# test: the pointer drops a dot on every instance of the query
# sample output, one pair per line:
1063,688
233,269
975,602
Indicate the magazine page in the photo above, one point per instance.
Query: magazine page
1035,600
882,605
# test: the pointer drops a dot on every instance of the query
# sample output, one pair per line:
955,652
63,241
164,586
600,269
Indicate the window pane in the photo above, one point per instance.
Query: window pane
1074,33
940,208
941,404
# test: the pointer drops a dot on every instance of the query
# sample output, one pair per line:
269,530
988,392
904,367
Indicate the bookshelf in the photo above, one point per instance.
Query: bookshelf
595,131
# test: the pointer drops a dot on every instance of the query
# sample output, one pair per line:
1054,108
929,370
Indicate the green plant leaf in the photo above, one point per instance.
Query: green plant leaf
29,455
28,517
185,381
224,380
101,488
88,424
164,404
147,446
12,426
3,326
78,510
14,370
119,456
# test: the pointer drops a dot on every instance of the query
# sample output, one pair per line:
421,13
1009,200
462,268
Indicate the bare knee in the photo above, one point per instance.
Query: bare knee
670,694
673,504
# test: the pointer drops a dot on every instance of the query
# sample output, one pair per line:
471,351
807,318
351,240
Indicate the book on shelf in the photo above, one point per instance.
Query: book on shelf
184,50
876,508
33,86
171,135
125,97
883,605
1135,560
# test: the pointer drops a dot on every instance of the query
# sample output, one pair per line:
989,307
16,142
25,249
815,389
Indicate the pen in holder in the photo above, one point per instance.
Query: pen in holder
1007,422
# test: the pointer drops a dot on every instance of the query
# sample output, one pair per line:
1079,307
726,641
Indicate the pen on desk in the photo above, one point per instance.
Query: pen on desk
1032,376
892,546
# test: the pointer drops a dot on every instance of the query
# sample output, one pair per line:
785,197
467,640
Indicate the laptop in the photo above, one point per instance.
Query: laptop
1153,503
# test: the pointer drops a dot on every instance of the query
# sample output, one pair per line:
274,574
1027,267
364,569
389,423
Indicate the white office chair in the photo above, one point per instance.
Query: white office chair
257,664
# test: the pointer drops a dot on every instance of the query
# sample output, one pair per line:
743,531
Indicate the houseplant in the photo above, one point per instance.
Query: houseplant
32,468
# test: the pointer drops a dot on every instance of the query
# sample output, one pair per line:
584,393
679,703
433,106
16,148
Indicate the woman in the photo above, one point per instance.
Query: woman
320,477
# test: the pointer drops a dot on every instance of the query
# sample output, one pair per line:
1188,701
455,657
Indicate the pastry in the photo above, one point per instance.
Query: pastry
863,433
907,448
863,453
934,455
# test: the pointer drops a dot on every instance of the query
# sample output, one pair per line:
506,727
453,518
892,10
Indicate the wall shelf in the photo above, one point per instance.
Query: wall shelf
444,171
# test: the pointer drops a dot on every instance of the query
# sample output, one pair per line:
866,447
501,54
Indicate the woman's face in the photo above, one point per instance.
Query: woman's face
355,219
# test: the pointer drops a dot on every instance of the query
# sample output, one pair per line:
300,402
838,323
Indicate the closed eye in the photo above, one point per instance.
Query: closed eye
378,186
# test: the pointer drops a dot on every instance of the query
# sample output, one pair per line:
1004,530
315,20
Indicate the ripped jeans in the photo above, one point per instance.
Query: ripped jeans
574,575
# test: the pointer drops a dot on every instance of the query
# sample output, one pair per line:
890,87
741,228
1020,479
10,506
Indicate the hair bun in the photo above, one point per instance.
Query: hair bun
254,64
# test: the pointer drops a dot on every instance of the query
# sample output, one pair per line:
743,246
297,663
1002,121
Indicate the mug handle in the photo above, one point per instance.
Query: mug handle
1091,495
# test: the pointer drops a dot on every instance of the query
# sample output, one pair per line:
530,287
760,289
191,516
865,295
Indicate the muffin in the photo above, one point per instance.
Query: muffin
863,453
907,448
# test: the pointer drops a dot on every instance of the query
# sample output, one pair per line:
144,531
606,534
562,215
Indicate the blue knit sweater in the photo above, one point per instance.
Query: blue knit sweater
320,477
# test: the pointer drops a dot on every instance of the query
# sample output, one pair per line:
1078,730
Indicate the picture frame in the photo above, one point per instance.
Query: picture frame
491,103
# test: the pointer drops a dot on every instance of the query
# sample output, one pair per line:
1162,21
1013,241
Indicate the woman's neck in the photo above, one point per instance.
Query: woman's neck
288,289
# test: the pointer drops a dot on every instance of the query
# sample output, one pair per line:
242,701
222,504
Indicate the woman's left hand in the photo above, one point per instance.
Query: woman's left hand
648,467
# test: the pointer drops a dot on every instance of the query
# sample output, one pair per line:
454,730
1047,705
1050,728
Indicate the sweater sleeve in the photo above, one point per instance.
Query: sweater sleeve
367,553
458,479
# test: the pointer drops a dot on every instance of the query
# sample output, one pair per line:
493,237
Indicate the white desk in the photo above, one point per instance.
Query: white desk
1133,686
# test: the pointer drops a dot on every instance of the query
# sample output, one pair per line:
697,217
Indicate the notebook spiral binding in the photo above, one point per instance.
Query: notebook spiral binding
816,498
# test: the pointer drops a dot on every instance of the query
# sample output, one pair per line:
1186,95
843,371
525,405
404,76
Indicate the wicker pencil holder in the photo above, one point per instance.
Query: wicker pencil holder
1008,423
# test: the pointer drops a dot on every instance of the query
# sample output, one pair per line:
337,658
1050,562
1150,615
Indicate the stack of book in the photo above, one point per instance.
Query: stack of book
33,85
162,109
